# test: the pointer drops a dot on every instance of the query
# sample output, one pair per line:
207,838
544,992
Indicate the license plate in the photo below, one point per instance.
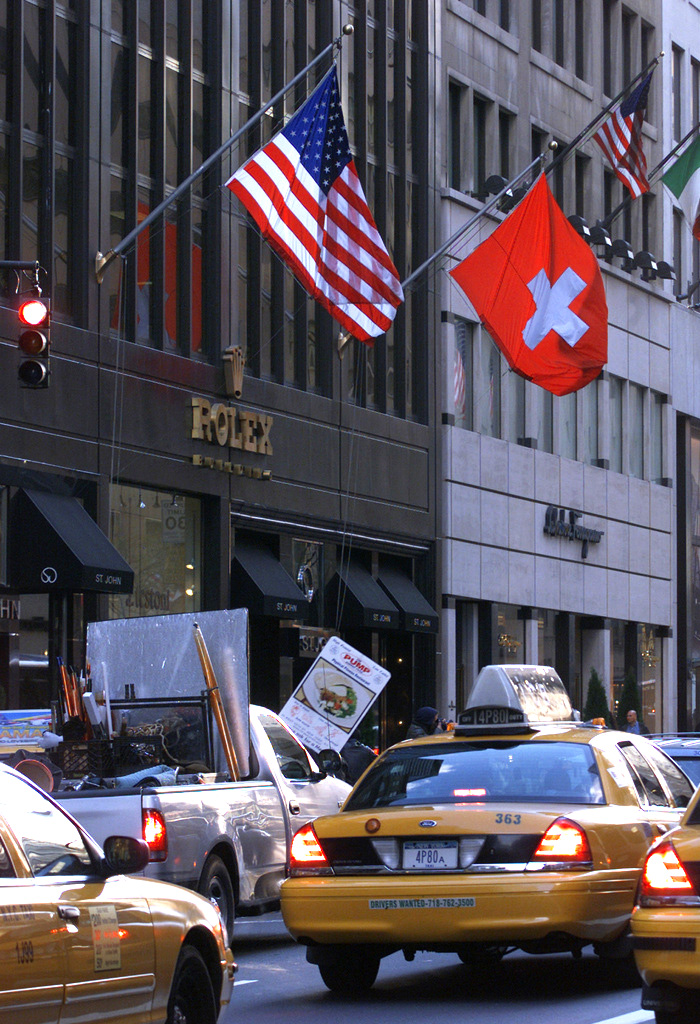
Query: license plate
430,854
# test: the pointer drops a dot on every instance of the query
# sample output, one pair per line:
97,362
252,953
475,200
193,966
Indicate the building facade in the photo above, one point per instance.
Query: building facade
521,467
198,409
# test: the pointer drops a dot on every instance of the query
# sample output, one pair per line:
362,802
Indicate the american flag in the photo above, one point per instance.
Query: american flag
303,191
620,138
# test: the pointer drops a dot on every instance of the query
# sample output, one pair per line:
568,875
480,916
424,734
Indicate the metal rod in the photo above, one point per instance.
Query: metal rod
103,261
489,206
216,705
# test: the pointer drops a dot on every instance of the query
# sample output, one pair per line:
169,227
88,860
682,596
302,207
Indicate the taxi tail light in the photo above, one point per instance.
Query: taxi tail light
564,844
155,833
306,856
665,878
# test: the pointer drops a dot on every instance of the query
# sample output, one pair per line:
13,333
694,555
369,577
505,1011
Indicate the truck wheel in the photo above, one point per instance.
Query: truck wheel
192,999
216,885
356,975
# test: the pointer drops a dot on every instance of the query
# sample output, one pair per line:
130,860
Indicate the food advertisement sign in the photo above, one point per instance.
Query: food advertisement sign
334,696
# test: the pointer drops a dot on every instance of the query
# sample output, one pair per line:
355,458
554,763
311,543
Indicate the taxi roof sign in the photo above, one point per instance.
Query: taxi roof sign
535,690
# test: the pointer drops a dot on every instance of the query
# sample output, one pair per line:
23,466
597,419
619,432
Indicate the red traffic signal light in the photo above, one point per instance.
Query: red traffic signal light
34,316
33,312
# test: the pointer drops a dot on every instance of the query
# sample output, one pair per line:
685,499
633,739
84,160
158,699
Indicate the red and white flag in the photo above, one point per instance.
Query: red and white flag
303,191
620,138
538,289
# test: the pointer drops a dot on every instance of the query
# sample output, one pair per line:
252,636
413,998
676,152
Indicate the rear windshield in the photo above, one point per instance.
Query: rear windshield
534,772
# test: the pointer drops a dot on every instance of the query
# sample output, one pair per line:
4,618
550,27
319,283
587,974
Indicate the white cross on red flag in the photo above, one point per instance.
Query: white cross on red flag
538,290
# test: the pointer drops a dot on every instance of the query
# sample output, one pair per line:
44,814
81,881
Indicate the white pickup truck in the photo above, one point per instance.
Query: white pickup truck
227,840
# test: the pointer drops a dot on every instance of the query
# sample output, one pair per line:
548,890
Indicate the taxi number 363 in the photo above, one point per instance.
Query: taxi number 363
507,819
25,952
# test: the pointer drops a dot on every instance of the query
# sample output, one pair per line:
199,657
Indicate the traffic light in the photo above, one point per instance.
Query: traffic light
34,340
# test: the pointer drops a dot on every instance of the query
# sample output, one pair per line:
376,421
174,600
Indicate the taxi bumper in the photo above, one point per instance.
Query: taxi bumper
666,943
424,909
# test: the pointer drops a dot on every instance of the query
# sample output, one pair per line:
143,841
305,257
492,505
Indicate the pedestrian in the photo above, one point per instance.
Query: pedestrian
634,725
424,723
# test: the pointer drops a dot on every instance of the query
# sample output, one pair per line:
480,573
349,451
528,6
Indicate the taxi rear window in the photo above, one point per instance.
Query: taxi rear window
485,772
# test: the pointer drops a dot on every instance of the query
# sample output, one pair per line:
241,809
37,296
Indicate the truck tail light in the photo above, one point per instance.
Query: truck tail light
155,833
306,856
664,879
564,845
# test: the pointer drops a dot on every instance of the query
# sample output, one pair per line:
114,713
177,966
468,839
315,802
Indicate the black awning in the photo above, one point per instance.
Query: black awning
260,583
362,602
55,545
417,614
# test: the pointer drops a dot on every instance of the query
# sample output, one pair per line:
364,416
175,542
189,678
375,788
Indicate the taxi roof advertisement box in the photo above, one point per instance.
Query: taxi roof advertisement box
334,696
157,656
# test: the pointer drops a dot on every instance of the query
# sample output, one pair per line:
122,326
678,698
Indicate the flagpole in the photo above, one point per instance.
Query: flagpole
606,110
607,221
485,209
103,261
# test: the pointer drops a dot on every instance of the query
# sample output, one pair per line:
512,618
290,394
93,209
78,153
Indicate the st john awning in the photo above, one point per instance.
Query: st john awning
55,545
417,614
260,583
361,602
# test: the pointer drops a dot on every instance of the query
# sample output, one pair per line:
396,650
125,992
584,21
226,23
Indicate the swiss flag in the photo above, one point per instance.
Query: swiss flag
537,288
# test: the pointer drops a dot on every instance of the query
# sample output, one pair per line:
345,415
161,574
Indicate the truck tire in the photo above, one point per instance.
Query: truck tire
192,999
216,885
351,977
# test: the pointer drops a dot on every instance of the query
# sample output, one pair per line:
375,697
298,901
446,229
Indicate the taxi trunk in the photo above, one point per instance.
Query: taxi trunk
440,877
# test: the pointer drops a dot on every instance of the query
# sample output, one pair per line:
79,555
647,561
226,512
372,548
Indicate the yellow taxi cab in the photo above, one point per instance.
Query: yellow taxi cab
80,941
666,923
521,829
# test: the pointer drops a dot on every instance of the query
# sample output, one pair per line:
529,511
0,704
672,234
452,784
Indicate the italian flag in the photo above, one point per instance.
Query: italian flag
683,180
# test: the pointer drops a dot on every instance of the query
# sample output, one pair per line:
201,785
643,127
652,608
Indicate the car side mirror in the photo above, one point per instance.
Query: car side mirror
330,762
125,855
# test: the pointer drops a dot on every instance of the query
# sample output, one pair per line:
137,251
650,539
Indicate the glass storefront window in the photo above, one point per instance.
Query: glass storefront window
159,534
509,635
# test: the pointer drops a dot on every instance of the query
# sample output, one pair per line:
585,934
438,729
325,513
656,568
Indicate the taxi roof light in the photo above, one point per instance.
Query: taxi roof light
564,843
306,854
664,877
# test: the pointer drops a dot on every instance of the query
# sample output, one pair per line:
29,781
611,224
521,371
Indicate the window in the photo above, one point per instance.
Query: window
516,407
480,119
568,432
589,396
694,91
291,756
505,126
483,772
628,26
504,14
656,450
50,840
580,183
678,222
649,789
488,387
681,789
159,535
463,378
580,36
677,92
608,62
558,15
456,95
537,25
635,445
542,401
616,424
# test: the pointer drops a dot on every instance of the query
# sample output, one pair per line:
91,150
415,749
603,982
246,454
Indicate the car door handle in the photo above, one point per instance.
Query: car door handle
294,807
69,913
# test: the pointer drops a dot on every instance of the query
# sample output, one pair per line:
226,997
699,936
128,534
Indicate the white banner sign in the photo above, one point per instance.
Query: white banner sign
334,696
